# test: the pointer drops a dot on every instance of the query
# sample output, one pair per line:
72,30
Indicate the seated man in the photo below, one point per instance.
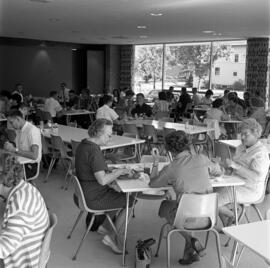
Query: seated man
105,111
73,102
141,108
25,220
251,163
28,141
53,106
188,173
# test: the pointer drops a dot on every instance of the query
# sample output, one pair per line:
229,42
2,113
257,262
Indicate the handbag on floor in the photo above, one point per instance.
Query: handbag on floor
143,253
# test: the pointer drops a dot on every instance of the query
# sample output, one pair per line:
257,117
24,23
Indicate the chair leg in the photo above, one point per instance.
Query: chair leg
50,169
169,247
218,247
112,224
66,177
160,237
75,224
258,212
85,234
239,256
206,239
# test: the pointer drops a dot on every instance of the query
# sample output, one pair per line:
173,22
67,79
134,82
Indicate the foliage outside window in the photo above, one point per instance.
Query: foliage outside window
190,65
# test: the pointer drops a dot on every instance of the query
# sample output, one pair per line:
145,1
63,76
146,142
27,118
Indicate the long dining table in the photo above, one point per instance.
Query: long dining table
130,186
77,134
160,125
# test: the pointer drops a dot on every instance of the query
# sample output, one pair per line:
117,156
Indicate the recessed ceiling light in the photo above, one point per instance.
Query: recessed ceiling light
219,33
141,27
42,1
214,33
53,20
207,31
156,14
74,49
143,36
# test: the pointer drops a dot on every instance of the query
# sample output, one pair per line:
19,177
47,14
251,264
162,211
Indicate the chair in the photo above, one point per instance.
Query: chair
131,129
59,151
266,130
71,170
214,124
222,150
35,176
152,138
84,208
226,263
193,205
45,248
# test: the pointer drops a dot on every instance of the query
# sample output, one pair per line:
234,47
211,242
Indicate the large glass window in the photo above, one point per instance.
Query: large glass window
187,65
214,65
148,69
230,58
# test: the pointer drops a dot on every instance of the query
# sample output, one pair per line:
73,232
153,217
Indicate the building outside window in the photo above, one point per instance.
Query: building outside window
217,71
160,66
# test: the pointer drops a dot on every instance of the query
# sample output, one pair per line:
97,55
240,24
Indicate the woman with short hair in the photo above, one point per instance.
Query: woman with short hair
188,173
25,219
96,181
251,163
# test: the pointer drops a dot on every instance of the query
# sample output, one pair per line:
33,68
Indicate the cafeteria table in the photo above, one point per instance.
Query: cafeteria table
77,134
255,236
69,113
132,186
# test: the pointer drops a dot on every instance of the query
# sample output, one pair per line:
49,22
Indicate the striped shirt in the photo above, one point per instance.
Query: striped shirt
23,228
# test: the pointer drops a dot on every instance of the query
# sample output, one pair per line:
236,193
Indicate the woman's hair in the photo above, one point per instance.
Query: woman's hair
177,142
209,92
162,95
217,103
232,97
12,172
97,127
252,125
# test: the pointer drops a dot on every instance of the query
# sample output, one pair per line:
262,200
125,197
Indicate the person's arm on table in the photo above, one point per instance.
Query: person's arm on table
159,179
107,178
32,154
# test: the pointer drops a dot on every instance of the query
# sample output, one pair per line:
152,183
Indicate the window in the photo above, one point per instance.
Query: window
217,71
187,65
148,68
160,66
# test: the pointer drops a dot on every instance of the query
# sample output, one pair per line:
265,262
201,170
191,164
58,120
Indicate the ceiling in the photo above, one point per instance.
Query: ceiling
116,21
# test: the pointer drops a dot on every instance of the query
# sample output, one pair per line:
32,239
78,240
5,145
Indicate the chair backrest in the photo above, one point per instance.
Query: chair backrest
150,131
36,175
74,146
45,249
167,119
58,145
213,123
199,206
78,192
222,150
266,130
45,147
150,159
131,129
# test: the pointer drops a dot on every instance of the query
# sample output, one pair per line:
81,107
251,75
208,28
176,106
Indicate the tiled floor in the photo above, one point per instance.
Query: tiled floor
146,224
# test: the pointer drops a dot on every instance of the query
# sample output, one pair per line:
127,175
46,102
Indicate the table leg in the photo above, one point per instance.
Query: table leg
139,152
235,244
68,119
125,233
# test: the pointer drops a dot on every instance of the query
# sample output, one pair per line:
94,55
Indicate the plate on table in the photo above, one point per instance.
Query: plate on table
154,192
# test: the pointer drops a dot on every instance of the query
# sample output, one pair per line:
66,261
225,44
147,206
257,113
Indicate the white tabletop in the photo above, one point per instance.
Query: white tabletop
230,121
77,112
202,109
236,143
138,185
189,129
77,134
255,236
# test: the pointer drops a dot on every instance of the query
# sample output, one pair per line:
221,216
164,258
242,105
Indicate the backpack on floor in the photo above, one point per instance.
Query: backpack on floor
143,253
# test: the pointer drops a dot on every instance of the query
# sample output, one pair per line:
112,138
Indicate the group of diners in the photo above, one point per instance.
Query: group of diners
187,173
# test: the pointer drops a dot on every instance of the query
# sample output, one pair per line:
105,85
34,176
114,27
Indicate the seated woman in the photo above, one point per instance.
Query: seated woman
161,107
25,220
188,173
95,181
206,100
251,163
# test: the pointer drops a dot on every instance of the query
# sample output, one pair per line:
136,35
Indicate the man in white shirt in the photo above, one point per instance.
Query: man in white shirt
28,141
106,111
196,98
53,106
